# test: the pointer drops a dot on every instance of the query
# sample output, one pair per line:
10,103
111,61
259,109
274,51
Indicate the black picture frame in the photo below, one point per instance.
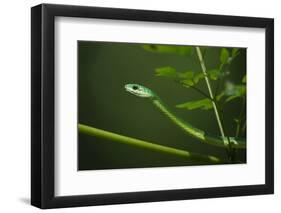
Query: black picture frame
43,117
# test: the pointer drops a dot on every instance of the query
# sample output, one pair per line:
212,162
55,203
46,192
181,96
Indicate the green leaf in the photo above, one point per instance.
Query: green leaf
191,78
244,79
219,96
198,77
224,56
234,91
188,78
186,75
181,50
230,98
214,74
166,72
240,90
234,52
204,104
236,120
188,82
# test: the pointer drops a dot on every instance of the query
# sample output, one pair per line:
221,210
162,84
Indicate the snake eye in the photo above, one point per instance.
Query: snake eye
135,87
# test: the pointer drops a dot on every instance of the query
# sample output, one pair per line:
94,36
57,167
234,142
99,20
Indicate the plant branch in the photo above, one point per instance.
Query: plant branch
240,117
197,90
204,70
201,92
88,130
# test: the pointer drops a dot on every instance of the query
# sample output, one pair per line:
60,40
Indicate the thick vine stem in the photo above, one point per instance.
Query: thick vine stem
204,70
92,131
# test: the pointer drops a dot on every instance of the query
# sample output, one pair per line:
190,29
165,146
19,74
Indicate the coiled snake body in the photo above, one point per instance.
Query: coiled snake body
199,134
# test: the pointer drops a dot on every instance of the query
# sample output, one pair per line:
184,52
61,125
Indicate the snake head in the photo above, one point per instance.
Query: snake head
139,90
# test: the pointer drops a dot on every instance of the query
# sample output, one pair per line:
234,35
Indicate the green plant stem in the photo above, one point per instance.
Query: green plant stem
88,130
240,117
204,70
238,129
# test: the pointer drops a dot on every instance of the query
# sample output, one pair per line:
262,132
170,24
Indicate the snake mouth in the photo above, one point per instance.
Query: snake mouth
129,89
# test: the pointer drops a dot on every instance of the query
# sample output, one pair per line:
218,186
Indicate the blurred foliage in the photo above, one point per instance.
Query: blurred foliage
180,50
198,104
226,91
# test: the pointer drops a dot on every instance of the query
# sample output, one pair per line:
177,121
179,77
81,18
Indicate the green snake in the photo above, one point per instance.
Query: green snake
144,92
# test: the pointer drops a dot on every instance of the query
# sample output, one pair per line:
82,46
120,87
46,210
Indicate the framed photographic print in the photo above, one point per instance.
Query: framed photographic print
140,106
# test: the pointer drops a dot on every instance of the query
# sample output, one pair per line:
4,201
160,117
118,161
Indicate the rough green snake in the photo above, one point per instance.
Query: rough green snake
144,92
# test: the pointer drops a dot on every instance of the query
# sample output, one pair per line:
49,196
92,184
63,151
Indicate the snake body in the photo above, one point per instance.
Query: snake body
144,92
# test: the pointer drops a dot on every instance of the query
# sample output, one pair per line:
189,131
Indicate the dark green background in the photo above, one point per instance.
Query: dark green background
104,68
